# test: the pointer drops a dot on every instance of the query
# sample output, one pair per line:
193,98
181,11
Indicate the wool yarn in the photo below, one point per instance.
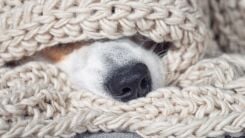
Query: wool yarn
205,97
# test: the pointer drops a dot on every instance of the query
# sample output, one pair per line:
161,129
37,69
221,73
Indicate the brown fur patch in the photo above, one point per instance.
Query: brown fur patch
57,53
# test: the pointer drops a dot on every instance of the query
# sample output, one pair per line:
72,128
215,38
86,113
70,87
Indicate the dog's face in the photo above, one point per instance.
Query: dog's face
120,69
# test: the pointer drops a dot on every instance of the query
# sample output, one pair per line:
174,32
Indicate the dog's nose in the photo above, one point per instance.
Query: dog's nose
129,82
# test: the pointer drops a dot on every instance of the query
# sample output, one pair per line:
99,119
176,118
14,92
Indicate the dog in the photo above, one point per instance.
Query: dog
122,69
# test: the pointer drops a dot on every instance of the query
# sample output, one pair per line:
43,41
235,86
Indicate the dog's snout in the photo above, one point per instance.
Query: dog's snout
129,82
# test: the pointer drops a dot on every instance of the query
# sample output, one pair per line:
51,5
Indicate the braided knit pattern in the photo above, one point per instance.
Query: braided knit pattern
227,20
206,99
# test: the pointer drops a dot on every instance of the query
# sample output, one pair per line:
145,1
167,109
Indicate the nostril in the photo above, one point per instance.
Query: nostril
143,84
126,91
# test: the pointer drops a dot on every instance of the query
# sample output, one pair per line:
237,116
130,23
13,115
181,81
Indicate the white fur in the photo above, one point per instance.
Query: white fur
88,66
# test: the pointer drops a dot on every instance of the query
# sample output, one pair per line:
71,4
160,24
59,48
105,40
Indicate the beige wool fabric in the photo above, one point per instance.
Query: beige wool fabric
205,97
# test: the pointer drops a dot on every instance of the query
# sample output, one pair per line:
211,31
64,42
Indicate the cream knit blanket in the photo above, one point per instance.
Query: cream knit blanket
205,97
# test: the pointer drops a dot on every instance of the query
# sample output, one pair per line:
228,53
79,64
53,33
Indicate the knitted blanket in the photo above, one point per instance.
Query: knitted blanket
205,96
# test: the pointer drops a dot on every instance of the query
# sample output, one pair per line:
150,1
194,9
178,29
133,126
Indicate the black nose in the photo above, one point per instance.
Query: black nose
129,82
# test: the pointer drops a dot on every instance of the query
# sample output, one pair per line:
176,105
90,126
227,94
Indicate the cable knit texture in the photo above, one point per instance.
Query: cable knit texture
205,97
